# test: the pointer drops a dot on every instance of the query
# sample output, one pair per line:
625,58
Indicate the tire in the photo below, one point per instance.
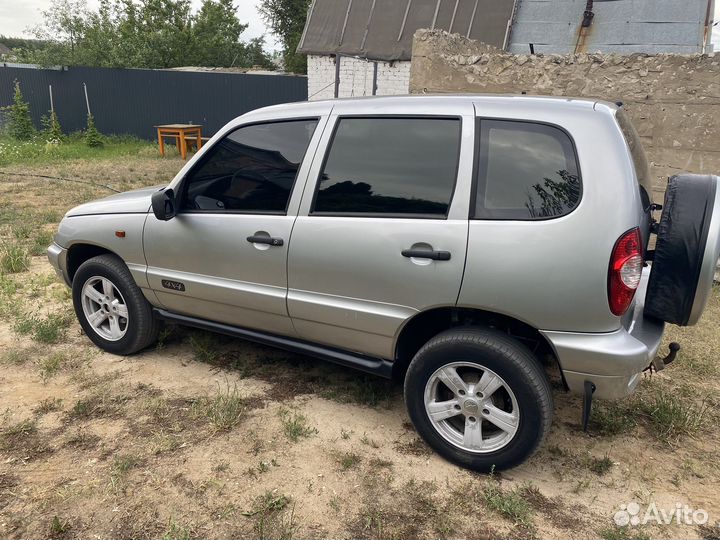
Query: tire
525,397
136,330
686,251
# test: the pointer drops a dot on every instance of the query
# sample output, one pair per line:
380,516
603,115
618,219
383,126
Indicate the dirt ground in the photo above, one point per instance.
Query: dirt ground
205,436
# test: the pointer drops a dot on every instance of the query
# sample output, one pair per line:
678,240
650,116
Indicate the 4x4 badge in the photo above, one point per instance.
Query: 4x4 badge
174,285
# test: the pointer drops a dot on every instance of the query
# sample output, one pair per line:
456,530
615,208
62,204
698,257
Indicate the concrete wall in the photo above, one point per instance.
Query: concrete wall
356,77
674,100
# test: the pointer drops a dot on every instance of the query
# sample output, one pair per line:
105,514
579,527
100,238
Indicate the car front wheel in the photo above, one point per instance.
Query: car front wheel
111,308
479,398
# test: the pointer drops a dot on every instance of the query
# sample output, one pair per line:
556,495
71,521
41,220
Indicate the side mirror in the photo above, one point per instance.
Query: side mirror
163,204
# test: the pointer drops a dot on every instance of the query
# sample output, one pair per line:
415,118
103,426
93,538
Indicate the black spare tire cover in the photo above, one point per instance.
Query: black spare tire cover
682,239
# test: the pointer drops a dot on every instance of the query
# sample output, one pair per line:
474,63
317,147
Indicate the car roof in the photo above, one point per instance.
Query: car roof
557,102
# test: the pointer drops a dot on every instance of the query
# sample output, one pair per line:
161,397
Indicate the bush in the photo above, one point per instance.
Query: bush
92,136
51,128
20,125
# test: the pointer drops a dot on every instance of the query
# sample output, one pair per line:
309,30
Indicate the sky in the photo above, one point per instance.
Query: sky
17,15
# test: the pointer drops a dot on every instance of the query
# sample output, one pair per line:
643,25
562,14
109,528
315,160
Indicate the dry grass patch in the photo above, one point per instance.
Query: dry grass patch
295,425
224,410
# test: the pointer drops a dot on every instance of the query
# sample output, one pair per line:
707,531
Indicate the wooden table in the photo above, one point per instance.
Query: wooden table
181,133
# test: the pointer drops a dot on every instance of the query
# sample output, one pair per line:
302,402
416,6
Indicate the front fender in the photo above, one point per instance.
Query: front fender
121,234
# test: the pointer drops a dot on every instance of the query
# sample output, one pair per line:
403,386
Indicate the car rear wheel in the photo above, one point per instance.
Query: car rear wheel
479,398
110,307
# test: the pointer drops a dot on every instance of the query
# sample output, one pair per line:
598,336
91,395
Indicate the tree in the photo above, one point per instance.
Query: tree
144,34
92,136
217,33
20,124
286,18
51,128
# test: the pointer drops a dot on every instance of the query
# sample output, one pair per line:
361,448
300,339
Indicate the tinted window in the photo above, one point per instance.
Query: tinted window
640,162
252,169
395,166
526,171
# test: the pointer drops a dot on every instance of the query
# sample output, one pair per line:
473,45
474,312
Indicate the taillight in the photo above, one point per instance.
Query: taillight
625,271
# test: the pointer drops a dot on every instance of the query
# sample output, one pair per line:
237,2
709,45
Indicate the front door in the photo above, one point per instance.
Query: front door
223,257
382,231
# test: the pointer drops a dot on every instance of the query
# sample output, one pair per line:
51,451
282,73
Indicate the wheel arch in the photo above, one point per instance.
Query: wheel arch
425,325
82,251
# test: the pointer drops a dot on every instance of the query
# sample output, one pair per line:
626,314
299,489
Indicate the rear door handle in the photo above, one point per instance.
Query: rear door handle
427,254
257,239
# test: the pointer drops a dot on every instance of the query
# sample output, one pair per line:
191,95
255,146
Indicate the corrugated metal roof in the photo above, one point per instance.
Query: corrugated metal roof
619,26
383,29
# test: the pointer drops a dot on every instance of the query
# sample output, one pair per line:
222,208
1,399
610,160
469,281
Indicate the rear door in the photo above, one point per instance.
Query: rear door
382,230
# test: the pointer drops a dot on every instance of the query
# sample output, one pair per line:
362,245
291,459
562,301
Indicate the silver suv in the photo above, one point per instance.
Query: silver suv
455,243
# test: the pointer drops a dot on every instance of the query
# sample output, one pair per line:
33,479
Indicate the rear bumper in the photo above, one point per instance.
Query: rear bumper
613,361
58,259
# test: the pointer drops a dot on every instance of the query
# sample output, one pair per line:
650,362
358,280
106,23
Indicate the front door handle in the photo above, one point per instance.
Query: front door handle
426,254
257,239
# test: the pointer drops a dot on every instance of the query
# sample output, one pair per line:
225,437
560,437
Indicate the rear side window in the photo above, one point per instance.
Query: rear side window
640,162
525,171
390,167
252,169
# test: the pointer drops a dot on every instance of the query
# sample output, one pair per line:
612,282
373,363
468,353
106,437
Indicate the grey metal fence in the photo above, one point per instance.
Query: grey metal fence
132,101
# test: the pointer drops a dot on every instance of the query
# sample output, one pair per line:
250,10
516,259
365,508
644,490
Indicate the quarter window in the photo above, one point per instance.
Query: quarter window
390,167
526,171
252,169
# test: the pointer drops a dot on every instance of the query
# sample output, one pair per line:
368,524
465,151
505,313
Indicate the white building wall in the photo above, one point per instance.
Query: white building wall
356,77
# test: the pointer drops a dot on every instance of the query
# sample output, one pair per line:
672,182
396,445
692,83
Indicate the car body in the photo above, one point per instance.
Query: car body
356,287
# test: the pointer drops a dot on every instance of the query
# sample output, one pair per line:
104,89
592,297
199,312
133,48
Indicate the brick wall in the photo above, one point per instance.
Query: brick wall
673,100
356,77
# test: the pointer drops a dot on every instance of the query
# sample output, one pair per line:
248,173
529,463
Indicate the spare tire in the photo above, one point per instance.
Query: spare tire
686,251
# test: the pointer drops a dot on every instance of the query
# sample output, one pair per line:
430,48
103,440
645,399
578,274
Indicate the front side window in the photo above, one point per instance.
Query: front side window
252,169
525,171
390,167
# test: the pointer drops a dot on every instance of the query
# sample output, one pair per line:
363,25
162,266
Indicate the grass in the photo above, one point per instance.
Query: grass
176,531
600,466
295,425
50,365
508,503
36,152
671,414
15,357
623,533
204,347
363,390
348,460
14,258
58,527
48,405
97,405
49,329
610,419
273,516
22,428
224,410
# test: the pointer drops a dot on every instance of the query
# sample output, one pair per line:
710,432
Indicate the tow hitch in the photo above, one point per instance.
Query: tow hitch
658,364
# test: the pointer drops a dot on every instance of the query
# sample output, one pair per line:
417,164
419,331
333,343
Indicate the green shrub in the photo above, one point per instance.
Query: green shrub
92,136
51,128
20,124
